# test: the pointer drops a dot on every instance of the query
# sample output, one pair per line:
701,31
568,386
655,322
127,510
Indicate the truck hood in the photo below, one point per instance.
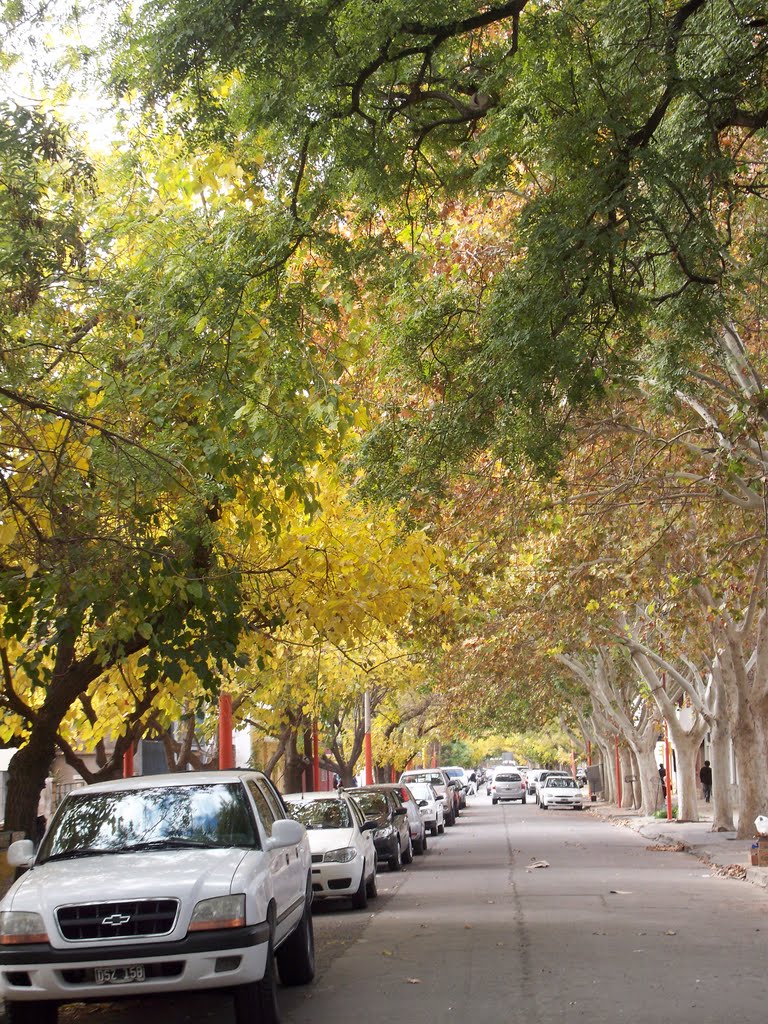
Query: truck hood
186,875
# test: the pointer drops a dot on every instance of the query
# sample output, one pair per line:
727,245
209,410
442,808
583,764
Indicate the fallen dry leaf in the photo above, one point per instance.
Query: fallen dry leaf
413,981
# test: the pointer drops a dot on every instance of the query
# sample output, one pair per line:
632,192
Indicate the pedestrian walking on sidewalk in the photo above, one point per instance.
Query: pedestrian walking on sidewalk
662,776
705,775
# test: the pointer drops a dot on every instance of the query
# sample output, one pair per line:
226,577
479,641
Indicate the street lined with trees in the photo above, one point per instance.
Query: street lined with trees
419,355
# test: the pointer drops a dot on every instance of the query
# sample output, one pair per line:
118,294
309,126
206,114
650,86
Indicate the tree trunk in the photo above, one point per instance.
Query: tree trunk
294,764
720,752
650,783
27,772
751,757
687,743
627,788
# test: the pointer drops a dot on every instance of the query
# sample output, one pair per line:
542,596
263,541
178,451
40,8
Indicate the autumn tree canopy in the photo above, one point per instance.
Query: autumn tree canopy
498,268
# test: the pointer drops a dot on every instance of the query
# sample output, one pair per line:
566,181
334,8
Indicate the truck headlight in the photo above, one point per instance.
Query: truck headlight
220,912
20,926
342,856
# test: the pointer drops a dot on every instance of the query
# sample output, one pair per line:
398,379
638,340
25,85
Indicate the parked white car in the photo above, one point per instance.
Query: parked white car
435,777
167,883
430,806
560,791
343,852
460,775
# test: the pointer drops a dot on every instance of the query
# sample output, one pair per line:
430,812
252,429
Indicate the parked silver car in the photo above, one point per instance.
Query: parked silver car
430,806
507,785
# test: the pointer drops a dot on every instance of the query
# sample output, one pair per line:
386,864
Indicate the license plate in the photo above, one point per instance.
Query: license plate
118,975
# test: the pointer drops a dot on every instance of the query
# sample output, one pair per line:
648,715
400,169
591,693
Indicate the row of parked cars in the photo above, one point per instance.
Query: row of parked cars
198,880
353,832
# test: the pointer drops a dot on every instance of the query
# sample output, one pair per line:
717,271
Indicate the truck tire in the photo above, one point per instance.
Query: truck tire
296,956
31,1013
256,1001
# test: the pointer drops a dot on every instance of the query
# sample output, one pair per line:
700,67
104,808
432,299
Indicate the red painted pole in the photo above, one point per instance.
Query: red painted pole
573,763
618,773
368,746
128,769
226,749
315,757
589,765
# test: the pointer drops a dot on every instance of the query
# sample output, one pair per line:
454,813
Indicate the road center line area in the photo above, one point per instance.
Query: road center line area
473,931
609,931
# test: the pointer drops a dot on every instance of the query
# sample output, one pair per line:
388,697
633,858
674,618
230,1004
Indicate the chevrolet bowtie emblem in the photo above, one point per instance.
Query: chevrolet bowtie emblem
115,920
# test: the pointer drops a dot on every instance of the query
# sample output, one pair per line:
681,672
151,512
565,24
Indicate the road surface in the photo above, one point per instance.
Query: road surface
479,931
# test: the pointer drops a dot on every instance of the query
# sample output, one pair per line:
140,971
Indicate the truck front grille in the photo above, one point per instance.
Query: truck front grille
127,919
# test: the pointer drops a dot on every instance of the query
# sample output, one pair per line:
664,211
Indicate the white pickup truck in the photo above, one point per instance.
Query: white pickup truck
165,883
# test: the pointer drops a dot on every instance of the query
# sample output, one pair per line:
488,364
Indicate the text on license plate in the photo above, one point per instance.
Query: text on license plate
118,975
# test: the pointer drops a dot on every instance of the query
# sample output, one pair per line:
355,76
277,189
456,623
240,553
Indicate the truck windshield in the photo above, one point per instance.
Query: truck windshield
212,815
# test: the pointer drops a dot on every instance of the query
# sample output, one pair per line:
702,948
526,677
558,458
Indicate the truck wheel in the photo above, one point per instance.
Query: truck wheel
31,1013
434,828
296,956
257,1000
450,819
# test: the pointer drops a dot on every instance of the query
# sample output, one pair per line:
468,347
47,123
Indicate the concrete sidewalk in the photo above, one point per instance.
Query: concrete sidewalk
722,851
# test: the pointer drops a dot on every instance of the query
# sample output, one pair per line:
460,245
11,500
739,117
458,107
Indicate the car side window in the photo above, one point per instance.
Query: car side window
265,811
357,814
275,804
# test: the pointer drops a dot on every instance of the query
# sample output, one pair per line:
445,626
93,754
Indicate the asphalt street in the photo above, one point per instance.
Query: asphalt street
529,916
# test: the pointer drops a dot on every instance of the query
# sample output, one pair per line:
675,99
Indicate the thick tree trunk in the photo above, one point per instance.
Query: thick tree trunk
749,742
720,752
627,778
650,783
687,743
27,772
294,765
30,766
610,793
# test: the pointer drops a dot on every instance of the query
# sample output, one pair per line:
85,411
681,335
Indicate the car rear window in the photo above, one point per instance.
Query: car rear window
373,805
431,777
508,777
323,813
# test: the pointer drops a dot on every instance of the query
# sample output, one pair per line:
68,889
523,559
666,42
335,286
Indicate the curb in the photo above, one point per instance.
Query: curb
740,871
